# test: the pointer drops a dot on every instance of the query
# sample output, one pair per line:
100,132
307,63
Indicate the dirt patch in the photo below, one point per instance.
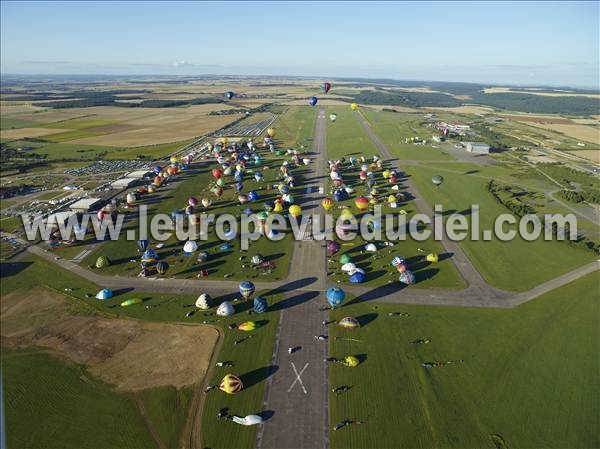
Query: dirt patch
132,355
542,119
580,132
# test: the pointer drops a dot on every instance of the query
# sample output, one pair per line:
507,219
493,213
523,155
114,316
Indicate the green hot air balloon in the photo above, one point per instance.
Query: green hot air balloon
437,180
102,262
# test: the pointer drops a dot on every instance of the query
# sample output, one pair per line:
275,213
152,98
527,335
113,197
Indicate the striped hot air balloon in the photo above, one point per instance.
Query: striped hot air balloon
349,323
231,384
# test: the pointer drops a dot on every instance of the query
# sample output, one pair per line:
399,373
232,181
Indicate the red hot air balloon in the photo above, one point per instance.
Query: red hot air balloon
217,173
363,175
361,203
325,87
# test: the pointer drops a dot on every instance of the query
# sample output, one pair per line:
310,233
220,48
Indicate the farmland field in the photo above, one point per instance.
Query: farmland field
524,377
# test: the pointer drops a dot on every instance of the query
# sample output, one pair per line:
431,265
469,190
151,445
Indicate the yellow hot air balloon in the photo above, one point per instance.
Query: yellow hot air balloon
278,207
346,212
224,140
432,257
295,210
351,361
402,212
386,174
391,199
173,159
327,204
247,326
271,132
354,106
231,384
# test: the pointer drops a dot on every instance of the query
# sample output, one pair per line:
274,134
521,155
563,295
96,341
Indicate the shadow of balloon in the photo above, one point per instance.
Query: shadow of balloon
366,319
294,300
256,376
293,285
266,415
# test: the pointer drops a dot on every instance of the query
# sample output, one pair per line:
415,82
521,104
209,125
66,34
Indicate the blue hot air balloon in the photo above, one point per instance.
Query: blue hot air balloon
269,205
157,169
239,186
260,304
229,95
258,176
239,176
149,256
313,101
252,195
397,261
407,278
247,289
335,296
142,245
357,278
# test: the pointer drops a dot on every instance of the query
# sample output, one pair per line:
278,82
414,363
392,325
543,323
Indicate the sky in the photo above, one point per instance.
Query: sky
523,43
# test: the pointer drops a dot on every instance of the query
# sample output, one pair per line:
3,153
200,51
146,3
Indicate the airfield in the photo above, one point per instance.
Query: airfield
492,345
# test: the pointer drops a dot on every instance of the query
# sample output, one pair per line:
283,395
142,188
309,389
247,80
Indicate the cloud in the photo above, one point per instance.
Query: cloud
182,64
48,62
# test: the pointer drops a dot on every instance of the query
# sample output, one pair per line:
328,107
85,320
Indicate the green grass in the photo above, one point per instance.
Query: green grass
345,137
54,151
9,122
51,403
167,409
528,375
7,203
295,127
79,123
148,151
393,128
516,265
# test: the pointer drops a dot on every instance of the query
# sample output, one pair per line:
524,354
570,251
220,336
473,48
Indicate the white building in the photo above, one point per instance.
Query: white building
123,183
477,147
84,204
138,174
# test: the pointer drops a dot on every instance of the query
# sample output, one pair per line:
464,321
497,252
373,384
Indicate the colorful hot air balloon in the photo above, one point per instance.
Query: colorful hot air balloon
361,203
271,132
246,289
162,267
325,87
142,245
217,173
206,202
260,304
131,302
332,248
335,296
231,384
229,95
327,204
295,210
407,278
437,180
247,326
333,116
192,201
354,106
313,101
349,323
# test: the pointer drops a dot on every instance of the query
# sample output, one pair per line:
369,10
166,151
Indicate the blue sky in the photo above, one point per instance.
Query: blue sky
554,43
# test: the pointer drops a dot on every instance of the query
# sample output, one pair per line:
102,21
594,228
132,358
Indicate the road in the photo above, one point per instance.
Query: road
297,392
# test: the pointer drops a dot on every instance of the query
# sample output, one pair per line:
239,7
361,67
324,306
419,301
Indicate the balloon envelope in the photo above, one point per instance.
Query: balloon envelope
225,309
349,322
231,384
335,296
326,87
313,101
437,180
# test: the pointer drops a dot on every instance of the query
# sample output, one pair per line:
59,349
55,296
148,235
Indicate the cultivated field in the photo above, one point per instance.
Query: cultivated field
580,132
533,91
24,133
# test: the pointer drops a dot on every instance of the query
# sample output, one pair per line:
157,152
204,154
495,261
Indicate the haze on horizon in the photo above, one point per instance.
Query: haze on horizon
522,43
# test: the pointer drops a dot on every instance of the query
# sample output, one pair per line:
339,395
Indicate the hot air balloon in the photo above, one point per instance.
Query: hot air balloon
357,278
335,296
225,309
269,205
354,106
271,132
361,203
149,256
333,117
157,180
102,262
407,278
104,294
172,171
345,258
203,302
218,191
246,289
229,95
142,245
332,248
206,202
313,101
131,302
249,420
327,204
432,257
247,326
162,267
351,361
242,198
260,304
157,169
325,87
278,207
349,323
192,201
231,384
295,210
217,173
131,198
437,180
100,215
190,246
397,261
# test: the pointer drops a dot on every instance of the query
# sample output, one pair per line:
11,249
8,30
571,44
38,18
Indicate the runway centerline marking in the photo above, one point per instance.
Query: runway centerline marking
298,378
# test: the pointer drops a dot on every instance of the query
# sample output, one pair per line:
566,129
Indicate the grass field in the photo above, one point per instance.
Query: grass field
517,264
345,137
295,127
394,128
49,402
525,377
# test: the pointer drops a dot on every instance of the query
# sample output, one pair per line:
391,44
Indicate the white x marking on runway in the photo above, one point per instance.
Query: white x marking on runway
298,379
